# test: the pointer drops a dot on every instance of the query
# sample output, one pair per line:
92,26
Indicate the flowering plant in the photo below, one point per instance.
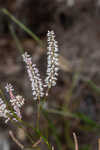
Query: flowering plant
40,89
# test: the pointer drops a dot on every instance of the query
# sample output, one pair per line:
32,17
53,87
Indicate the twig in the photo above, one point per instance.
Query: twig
15,140
52,148
22,26
76,141
37,143
99,144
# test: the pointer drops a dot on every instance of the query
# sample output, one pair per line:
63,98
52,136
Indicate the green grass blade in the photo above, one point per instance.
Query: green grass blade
93,86
18,44
53,128
87,120
80,116
22,26
38,132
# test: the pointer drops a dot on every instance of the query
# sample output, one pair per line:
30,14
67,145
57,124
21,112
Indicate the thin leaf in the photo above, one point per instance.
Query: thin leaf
22,26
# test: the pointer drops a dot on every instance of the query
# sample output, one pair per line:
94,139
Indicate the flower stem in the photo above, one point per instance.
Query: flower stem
38,112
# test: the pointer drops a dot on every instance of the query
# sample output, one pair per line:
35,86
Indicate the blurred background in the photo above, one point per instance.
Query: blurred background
74,104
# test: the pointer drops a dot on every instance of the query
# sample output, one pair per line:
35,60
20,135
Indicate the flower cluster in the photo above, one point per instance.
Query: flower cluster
5,112
34,77
16,101
52,68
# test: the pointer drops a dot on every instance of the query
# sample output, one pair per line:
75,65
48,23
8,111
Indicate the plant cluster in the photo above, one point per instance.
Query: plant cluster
12,111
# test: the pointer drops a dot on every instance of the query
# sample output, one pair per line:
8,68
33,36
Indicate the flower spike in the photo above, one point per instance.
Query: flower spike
5,113
52,60
34,76
16,101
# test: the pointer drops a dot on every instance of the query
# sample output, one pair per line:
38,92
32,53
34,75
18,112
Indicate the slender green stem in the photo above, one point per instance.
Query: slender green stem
18,44
93,86
67,135
54,130
62,113
38,113
38,132
22,26
75,115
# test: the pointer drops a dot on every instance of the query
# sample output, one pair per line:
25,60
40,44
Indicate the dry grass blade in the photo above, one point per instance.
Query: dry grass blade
76,141
52,148
99,144
37,143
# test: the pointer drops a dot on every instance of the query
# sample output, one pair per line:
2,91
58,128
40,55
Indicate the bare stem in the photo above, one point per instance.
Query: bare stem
76,141
99,144
37,143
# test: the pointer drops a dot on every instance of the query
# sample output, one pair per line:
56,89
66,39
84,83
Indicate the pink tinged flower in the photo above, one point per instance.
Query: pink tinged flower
9,89
16,101
34,76
53,61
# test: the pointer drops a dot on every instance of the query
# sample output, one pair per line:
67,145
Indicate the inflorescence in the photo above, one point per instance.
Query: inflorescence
52,68
16,103
38,87
4,112
34,77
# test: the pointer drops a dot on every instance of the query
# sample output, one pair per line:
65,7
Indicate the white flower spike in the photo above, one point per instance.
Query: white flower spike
17,101
52,68
34,76
52,60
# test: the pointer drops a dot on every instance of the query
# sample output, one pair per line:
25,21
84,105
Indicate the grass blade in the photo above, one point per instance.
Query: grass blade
22,26
53,128
18,44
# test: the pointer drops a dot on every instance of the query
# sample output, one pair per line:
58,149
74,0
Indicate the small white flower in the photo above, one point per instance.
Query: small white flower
17,101
9,87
